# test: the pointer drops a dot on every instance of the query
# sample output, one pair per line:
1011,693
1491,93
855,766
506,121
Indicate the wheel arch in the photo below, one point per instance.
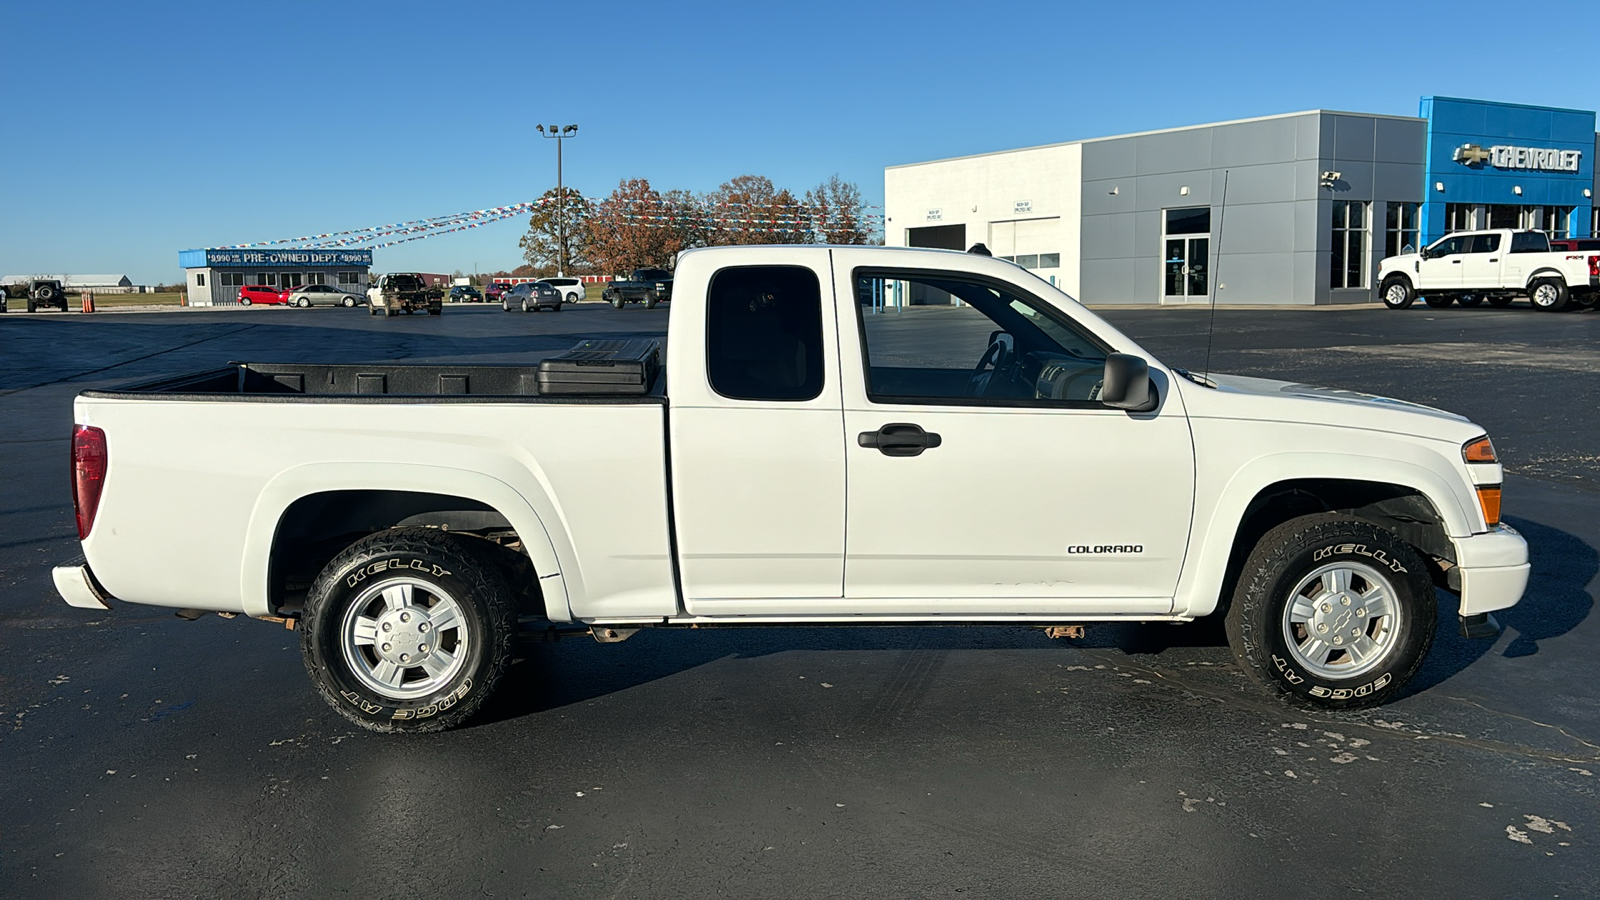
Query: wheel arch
1415,504
321,508
1547,272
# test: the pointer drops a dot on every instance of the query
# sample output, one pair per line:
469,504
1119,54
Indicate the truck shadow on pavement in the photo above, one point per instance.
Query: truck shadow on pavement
578,670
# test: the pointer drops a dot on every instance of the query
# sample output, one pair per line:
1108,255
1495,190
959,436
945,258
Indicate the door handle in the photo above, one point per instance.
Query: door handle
1494,259
1455,262
899,439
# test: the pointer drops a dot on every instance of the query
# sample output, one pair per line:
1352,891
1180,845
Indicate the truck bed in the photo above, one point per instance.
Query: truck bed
438,383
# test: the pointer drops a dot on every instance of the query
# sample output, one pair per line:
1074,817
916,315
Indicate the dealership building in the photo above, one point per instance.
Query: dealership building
214,276
1314,200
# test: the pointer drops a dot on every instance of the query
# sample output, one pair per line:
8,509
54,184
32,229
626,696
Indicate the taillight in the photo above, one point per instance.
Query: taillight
88,474
1594,267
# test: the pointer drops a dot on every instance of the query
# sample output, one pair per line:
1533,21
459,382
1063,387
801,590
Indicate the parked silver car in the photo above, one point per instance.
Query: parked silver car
323,295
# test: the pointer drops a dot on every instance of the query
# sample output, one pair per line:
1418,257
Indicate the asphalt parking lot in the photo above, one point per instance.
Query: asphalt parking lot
145,756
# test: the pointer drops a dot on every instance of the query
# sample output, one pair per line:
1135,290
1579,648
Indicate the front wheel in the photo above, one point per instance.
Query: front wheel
349,302
407,630
1548,294
1332,612
1438,301
244,301
1398,294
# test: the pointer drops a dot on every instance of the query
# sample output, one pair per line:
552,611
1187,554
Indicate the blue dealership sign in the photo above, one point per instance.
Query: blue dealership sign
192,259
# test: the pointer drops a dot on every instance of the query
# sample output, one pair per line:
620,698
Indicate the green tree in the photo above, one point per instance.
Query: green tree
542,245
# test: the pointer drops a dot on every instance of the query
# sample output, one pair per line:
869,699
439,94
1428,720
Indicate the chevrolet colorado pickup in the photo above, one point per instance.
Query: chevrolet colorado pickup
1469,267
992,452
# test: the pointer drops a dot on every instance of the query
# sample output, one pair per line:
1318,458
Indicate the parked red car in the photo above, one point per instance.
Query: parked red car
1575,244
262,293
494,290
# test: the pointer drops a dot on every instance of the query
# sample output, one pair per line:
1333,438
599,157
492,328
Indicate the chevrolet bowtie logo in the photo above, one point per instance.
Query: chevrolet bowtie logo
1471,154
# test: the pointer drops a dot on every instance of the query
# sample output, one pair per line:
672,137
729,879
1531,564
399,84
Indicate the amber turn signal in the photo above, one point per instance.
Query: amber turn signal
1489,499
1479,450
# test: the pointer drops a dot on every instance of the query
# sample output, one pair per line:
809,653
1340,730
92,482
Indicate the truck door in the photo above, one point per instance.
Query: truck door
984,477
1442,267
1480,264
757,438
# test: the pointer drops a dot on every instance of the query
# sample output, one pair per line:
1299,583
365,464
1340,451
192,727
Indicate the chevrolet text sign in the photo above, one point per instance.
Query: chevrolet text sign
1502,156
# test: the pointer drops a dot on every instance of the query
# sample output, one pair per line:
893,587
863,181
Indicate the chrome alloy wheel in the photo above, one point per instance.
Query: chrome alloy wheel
1545,295
1341,620
1396,294
404,638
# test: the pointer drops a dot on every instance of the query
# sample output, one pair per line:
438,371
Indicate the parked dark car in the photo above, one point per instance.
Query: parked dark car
647,286
531,296
496,290
465,293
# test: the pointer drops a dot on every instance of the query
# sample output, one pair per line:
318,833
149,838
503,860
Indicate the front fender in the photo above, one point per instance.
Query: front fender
315,478
1199,590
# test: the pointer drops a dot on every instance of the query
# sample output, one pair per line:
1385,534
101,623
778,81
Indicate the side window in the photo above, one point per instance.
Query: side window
764,333
1446,247
1529,242
941,338
1483,243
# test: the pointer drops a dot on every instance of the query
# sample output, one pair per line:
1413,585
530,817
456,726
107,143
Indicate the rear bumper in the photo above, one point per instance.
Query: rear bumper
77,585
1494,570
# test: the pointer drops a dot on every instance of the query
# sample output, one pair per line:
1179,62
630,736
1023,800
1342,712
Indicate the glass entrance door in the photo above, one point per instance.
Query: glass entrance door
1187,269
1186,255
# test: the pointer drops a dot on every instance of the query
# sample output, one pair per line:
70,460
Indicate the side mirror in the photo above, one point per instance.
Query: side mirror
1126,384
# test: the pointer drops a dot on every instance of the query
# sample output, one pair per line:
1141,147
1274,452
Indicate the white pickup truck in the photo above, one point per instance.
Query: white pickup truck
1469,267
988,452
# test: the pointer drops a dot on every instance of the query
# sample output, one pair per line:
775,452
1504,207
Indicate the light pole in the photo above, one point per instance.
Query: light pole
560,133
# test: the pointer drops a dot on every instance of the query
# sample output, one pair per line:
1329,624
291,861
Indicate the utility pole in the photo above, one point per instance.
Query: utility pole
560,133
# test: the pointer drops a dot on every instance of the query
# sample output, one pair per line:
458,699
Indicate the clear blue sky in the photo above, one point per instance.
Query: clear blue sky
153,127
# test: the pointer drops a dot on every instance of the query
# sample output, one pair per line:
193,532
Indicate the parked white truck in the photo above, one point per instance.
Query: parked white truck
1470,267
992,452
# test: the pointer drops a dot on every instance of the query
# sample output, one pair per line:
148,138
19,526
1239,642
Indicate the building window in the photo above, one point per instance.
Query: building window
230,279
1348,269
349,277
266,278
1460,217
1028,260
199,279
1553,220
1049,260
316,278
1502,215
1400,228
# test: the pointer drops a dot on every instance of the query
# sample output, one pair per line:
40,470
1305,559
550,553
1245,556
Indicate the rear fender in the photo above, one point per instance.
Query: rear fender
315,478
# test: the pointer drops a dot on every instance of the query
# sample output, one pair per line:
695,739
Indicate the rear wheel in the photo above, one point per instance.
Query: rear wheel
617,302
33,305
1397,293
1438,301
1332,612
407,630
1548,294
1469,300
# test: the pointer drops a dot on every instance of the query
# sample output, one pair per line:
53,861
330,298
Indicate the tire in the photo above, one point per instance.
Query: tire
305,303
411,584
1548,294
435,310
505,306
571,298
1470,300
526,308
372,310
1499,301
1398,294
1438,301
389,312
245,301
617,302
650,302
556,308
1303,557
349,302
44,293
33,305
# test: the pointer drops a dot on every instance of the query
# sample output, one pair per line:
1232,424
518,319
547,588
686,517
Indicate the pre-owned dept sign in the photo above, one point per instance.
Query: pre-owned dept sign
1505,156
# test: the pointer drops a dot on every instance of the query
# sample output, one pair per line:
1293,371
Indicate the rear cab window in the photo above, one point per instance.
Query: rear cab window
764,333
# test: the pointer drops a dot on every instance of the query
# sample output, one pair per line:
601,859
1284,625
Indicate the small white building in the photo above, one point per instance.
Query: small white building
214,276
106,284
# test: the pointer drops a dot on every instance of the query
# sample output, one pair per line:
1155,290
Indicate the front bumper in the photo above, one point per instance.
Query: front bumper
1494,570
77,585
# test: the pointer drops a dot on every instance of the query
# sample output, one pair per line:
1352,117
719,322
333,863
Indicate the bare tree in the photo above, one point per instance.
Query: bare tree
839,215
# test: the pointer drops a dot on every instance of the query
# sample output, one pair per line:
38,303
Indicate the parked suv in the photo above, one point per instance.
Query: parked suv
531,296
496,290
261,293
572,289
